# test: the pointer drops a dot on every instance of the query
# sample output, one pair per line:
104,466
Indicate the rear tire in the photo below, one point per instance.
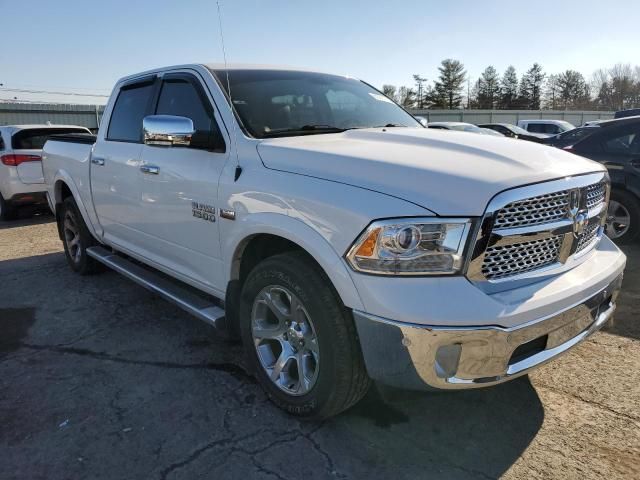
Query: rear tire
76,239
291,317
7,211
623,217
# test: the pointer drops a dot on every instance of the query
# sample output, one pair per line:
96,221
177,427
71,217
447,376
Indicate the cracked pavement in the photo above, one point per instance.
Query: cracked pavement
101,379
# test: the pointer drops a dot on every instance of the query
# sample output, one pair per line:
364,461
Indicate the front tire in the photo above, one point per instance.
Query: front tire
623,217
300,340
76,239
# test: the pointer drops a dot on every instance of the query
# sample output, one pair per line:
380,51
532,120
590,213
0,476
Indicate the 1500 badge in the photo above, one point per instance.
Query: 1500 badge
204,211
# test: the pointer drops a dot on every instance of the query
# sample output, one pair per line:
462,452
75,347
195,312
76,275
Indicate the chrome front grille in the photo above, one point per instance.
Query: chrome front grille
544,225
587,237
596,194
533,211
518,258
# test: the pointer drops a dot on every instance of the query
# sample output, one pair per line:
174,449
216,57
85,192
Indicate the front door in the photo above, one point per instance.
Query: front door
179,187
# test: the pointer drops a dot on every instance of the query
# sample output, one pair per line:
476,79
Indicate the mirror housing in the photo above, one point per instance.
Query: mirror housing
167,130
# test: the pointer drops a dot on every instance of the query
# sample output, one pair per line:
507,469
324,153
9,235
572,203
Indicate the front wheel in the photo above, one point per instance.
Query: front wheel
623,217
300,340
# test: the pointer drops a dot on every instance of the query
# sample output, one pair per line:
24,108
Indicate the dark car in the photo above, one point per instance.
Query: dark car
513,131
631,112
616,144
571,137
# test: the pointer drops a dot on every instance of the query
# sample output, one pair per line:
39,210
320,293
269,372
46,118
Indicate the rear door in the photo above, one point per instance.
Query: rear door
115,163
180,185
27,146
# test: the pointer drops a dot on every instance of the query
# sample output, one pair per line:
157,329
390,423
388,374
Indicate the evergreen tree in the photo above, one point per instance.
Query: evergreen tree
450,83
509,88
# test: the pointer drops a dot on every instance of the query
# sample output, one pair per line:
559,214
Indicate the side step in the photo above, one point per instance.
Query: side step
179,294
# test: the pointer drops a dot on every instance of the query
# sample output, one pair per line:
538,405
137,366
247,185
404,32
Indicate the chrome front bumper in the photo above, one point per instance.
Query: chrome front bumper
418,356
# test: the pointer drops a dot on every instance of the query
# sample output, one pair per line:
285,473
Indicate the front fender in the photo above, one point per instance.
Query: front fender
298,232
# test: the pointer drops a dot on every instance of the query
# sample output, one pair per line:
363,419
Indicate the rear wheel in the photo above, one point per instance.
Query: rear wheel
7,211
76,239
300,340
623,217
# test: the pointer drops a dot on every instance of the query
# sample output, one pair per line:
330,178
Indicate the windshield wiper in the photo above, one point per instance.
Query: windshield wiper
389,125
305,129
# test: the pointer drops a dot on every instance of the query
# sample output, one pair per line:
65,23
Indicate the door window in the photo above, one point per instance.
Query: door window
131,107
180,97
625,143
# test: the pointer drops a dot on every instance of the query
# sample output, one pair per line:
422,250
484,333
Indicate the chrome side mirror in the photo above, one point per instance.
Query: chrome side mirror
167,130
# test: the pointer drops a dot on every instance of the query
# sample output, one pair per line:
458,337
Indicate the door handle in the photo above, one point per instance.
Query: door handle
150,169
97,160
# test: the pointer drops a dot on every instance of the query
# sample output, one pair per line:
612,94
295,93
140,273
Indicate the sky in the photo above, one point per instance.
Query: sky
85,46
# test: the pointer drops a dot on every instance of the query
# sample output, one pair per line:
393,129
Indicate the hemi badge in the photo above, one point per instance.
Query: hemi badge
228,214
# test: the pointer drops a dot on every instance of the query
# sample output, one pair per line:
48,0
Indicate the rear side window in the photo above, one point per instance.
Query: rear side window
131,107
35,138
1,142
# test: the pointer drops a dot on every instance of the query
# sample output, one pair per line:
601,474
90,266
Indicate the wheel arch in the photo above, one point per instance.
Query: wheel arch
260,238
64,187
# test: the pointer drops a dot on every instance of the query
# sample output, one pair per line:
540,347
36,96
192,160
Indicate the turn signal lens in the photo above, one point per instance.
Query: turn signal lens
368,246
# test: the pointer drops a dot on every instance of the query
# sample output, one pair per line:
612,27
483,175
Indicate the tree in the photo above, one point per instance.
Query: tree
616,87
552,92
488,88
509,88
450,83
406,97
573,90
531,87
389,91
420,92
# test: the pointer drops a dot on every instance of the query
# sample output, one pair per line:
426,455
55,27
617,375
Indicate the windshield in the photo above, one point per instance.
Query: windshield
578,133
274,103
517,130
565,126
35,138
466,127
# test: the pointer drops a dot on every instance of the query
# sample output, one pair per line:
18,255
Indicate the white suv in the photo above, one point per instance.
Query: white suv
548,127
21,180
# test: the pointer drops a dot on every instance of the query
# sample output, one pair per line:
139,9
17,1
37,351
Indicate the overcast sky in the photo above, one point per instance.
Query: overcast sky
83,46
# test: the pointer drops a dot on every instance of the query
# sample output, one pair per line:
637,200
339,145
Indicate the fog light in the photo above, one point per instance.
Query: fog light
447,359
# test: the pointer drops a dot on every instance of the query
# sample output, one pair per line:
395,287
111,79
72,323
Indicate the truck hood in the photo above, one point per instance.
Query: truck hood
447,172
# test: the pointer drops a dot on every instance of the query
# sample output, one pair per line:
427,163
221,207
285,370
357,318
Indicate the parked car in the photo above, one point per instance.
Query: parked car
616,144
631,112
547,127
571,136
340,240
513,131
459,126
21,181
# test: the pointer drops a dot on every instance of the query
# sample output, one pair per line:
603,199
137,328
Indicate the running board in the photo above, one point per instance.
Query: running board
181,295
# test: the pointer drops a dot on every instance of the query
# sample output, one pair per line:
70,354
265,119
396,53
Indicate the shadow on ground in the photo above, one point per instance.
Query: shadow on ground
102,379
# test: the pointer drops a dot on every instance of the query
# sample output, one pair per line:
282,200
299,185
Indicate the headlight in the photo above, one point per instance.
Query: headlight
411,246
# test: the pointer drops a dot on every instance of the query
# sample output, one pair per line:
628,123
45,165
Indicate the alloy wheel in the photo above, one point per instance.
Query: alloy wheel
72,236
285,340
618,220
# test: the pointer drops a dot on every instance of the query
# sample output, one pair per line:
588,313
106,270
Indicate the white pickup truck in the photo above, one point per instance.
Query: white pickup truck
339,239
